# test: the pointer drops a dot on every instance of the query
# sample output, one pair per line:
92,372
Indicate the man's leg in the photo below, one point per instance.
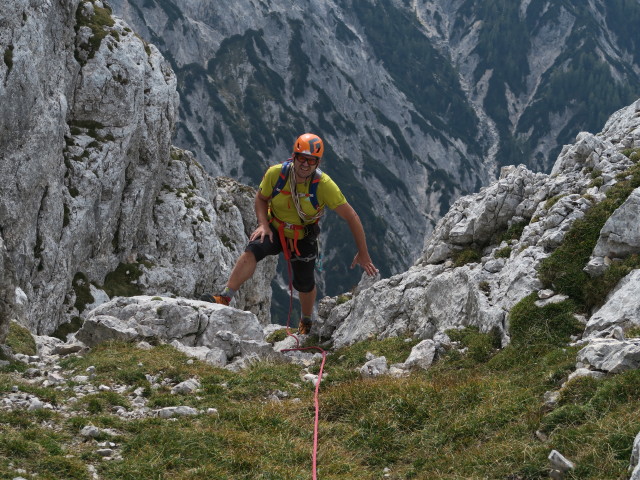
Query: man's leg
304,281
307,301
243,270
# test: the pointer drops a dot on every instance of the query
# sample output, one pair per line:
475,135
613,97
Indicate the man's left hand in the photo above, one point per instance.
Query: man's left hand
365,262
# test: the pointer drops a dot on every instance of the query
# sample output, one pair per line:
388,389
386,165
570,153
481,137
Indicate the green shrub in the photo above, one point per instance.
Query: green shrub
550,325
121,282
503,252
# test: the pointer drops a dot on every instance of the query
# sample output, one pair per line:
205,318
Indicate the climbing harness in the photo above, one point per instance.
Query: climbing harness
316,401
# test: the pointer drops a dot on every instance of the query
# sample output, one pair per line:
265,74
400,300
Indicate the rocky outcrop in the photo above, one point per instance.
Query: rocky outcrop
214,333
620,236
92,200
200,227
415,134
610,355
483,255
86,150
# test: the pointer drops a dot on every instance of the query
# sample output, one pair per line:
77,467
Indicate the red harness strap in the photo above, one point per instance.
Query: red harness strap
287,247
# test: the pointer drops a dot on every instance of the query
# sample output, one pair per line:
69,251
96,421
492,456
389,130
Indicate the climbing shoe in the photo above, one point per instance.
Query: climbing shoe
221,299
304,327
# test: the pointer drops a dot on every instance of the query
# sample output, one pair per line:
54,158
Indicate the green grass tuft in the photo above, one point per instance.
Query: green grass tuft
100,24
551,325
20,339
480,346
277,336
514,232
463,257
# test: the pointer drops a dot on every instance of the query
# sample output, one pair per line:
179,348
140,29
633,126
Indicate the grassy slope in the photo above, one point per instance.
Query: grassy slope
472,416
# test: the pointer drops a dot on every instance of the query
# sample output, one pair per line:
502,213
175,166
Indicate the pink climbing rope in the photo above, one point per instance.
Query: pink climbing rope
316,401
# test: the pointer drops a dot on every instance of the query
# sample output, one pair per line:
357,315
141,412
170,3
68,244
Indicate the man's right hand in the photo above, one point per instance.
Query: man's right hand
261,232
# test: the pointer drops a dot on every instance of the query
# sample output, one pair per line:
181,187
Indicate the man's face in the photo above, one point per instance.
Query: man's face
305,165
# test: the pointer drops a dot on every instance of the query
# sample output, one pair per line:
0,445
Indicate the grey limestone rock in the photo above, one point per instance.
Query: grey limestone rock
620,236
611,355
213,333
621,308
88,180
634,463
435,294
422,355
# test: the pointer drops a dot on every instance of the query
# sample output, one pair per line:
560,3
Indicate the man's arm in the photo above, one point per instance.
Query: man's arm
362,258
262,207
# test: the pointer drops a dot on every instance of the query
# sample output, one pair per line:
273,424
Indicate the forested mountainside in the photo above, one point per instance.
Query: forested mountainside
419,101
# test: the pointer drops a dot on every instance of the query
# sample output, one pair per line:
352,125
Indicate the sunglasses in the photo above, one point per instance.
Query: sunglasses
311,161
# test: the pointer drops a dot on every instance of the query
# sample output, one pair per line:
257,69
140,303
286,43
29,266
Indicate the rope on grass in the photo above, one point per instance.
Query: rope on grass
316,401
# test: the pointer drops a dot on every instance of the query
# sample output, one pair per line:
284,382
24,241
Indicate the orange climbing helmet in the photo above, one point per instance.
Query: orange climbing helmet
309,144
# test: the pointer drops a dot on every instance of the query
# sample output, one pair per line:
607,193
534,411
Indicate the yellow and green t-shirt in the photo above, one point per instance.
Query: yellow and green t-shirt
282,206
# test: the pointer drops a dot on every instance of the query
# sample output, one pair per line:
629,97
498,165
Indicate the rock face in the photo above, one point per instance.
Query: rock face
88,182
200,227
620,236
439,292
7,292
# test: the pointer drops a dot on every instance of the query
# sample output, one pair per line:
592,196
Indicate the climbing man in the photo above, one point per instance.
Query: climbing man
289,203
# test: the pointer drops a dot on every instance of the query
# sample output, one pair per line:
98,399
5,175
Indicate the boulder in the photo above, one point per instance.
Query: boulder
421,356
213,333
611,355
621,308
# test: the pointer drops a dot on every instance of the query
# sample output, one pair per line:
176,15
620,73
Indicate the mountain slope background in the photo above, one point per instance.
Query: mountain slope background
419,102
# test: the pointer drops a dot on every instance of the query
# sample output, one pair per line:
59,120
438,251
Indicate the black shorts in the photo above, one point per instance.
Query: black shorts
302,266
